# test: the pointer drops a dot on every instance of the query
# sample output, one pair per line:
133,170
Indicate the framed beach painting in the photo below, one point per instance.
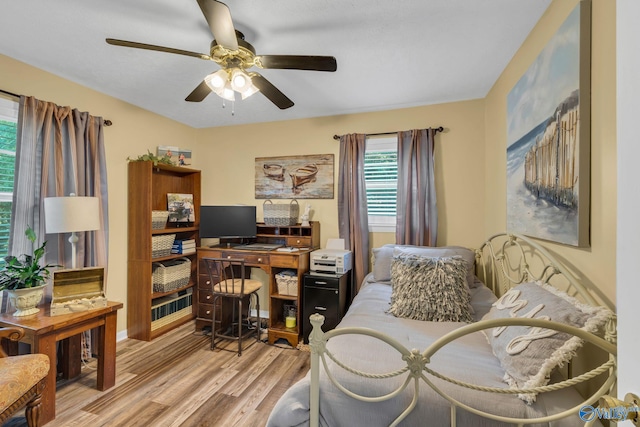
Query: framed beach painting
548,138
294,177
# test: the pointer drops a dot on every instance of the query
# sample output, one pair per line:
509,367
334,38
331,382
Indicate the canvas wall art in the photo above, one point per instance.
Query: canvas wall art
299,177
548,138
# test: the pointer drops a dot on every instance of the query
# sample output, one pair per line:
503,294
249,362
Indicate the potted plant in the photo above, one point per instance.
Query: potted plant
24,278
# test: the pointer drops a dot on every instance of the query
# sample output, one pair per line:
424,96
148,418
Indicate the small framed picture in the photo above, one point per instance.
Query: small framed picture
179,156
180,207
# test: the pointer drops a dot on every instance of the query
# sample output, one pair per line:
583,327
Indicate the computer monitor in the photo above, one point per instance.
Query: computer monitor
228,222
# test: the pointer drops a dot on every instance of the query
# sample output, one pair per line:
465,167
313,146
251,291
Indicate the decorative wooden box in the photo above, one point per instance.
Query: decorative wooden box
76,290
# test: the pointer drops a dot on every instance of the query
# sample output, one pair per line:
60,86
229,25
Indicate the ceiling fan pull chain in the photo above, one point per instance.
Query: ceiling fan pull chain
233,108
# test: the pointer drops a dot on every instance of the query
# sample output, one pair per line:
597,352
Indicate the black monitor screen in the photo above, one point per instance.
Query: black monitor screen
227,221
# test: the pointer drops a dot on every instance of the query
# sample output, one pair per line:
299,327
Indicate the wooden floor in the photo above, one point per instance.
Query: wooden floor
176,380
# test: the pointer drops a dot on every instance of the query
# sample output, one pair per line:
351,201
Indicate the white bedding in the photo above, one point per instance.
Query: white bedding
468,359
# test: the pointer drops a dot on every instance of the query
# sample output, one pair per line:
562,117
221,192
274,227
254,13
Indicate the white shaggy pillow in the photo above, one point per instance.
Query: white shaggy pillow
431,289
528,355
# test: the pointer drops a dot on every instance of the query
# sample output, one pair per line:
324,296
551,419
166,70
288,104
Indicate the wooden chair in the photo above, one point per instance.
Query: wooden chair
229,281
22,380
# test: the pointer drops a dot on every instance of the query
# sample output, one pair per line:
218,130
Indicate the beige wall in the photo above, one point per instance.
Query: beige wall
228,174
230,152
597,263
134,131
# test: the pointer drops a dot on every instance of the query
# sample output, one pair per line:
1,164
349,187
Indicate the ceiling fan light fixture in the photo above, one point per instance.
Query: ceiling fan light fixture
217,81
227,92
239,80
249,90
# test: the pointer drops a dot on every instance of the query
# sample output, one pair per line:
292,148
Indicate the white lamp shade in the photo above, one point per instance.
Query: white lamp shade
70,214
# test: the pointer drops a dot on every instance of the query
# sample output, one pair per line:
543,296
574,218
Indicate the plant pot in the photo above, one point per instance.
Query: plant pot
25,300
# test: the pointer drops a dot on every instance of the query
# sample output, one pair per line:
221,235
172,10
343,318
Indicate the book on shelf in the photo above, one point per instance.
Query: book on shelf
187,246
183,251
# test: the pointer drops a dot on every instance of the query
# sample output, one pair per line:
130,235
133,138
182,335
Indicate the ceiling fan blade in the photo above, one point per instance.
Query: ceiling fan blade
219,19
271,92
297,62
199,93
137,45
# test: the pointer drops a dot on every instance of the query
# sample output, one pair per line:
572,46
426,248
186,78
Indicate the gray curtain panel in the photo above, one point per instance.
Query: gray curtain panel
417,212
59,151
353,219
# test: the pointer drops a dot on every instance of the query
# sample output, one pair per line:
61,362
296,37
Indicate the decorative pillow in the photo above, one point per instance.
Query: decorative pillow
383,256
432,289
528,355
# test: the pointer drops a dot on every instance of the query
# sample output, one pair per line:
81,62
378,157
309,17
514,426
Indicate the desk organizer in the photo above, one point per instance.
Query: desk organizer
287,281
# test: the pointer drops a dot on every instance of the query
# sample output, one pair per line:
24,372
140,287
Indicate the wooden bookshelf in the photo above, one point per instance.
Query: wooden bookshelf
148,188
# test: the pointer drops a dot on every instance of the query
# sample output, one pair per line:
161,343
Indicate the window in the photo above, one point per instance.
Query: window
8,132
381,179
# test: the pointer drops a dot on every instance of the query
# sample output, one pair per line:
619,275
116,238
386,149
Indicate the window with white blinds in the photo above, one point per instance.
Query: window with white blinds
8,129
381,178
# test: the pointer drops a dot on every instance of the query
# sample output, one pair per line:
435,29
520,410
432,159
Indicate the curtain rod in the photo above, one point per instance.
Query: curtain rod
436,130
107,122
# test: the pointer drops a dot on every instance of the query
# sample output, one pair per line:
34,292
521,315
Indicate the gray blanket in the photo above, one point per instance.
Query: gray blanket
468,359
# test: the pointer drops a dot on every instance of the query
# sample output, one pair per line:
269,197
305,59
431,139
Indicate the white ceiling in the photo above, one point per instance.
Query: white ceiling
390,54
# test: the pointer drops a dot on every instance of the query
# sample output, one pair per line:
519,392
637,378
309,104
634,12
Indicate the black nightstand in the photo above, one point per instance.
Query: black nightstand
325,294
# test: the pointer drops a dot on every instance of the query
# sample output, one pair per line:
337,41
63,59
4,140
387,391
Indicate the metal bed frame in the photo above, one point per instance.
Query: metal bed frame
503,261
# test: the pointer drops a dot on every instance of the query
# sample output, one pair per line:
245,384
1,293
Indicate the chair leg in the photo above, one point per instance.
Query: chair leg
239,327
213,324
34,408
258,325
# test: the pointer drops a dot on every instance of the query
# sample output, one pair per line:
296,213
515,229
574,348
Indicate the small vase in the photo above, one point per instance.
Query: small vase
25,300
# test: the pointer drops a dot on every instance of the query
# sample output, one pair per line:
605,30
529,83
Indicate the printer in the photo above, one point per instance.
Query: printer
332,261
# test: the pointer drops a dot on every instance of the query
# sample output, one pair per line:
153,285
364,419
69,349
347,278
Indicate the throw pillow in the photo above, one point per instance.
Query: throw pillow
431,289
383,256
527,354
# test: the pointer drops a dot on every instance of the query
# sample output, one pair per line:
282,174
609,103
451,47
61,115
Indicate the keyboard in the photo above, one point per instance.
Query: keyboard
259,246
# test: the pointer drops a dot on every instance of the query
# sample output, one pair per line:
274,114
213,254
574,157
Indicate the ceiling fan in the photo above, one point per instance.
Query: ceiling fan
236,56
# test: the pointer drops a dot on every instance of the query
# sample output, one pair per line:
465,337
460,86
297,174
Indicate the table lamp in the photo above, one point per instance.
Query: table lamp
70,215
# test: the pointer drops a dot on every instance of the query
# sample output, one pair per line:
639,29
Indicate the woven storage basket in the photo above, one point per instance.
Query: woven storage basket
159,219
171,275
287,282
161,245
281,214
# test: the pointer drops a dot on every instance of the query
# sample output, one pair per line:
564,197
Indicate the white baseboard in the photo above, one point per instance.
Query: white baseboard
122,335
263,313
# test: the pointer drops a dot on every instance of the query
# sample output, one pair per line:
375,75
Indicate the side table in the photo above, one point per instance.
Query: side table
42,331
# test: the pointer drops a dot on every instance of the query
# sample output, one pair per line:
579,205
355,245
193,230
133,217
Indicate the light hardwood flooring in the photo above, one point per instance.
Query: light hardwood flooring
176,380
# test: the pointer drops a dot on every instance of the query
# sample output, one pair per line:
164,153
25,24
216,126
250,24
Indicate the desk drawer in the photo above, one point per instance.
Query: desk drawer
287,261
299,242
204,282
205,310
249,259
205,297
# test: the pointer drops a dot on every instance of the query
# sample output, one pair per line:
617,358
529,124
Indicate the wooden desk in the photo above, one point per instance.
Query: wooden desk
42,331
271,262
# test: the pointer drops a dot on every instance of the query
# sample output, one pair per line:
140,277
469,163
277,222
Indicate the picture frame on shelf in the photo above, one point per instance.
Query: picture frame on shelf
180,207
179,156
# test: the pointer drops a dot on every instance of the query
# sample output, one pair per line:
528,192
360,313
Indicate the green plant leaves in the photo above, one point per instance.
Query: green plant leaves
25,271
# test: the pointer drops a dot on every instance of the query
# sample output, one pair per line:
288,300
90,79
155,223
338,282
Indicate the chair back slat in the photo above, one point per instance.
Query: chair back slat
224,273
